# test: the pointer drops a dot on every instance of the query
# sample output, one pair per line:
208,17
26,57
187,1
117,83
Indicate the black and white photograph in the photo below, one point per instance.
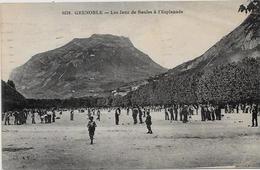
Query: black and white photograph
130,85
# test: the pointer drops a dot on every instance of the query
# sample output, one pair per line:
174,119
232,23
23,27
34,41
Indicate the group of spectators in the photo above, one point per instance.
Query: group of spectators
20,117
175,112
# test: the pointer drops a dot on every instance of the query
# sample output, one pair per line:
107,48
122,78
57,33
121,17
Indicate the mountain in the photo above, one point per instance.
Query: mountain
242,42
227,72
84,67
11,99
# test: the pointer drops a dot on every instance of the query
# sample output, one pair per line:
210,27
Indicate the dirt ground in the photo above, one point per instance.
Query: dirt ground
65,144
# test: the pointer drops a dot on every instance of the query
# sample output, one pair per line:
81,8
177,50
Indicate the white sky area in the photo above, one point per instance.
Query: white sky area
28,29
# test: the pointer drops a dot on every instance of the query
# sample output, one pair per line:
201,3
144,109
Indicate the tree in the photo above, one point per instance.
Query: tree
252,7
11,83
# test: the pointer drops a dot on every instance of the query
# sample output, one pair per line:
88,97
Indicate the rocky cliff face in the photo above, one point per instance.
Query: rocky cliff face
84,67
243,42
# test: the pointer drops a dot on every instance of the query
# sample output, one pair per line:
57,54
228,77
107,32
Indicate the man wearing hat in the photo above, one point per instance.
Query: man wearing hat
91,128
148,122
117,114
254,116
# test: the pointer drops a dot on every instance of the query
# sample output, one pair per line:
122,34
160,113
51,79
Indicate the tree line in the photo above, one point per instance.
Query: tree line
229,83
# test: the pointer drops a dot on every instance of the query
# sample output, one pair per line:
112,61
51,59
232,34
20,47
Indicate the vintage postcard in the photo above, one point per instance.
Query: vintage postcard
130,85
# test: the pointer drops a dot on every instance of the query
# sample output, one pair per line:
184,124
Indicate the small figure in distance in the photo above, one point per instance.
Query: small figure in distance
140,115
148,122
98,115
91,129
254,115
117,114
71,115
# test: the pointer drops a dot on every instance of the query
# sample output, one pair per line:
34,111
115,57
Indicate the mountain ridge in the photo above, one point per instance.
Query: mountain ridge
186,82
84,67
249,36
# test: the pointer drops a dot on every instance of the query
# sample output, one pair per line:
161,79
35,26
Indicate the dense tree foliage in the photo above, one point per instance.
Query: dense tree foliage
11,84
253,6
11,99
67,103
233,82
168,90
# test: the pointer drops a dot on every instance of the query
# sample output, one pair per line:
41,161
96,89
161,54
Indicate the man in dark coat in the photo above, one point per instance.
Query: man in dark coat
207,112
148,122
91,129
254,116
117,114
176,112
185,113
134,114
53,116
33,116
171,113
203,113
218,113
71,115
15,118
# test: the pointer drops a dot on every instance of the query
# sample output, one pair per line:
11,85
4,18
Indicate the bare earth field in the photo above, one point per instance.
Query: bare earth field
229,143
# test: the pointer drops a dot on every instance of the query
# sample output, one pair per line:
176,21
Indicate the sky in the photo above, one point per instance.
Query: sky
30,28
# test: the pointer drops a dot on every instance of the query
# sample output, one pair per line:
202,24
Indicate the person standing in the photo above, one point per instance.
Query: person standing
148,122
171,114
15,118
53,115
134,114
144,112
203,113
89,113
140,115
166,114
91,129
254,116
7,118
185,114
24,117
93,111
181,113
117,114
98,115
208,117
212,112
45,117
71,115
19,117
49,116
176,112
218,113
33,116
42,116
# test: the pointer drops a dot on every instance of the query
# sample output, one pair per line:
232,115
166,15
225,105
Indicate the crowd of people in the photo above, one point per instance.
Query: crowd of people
21,117
172,113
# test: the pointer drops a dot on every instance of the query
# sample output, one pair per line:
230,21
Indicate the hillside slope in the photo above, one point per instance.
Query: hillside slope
84,67
233,61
